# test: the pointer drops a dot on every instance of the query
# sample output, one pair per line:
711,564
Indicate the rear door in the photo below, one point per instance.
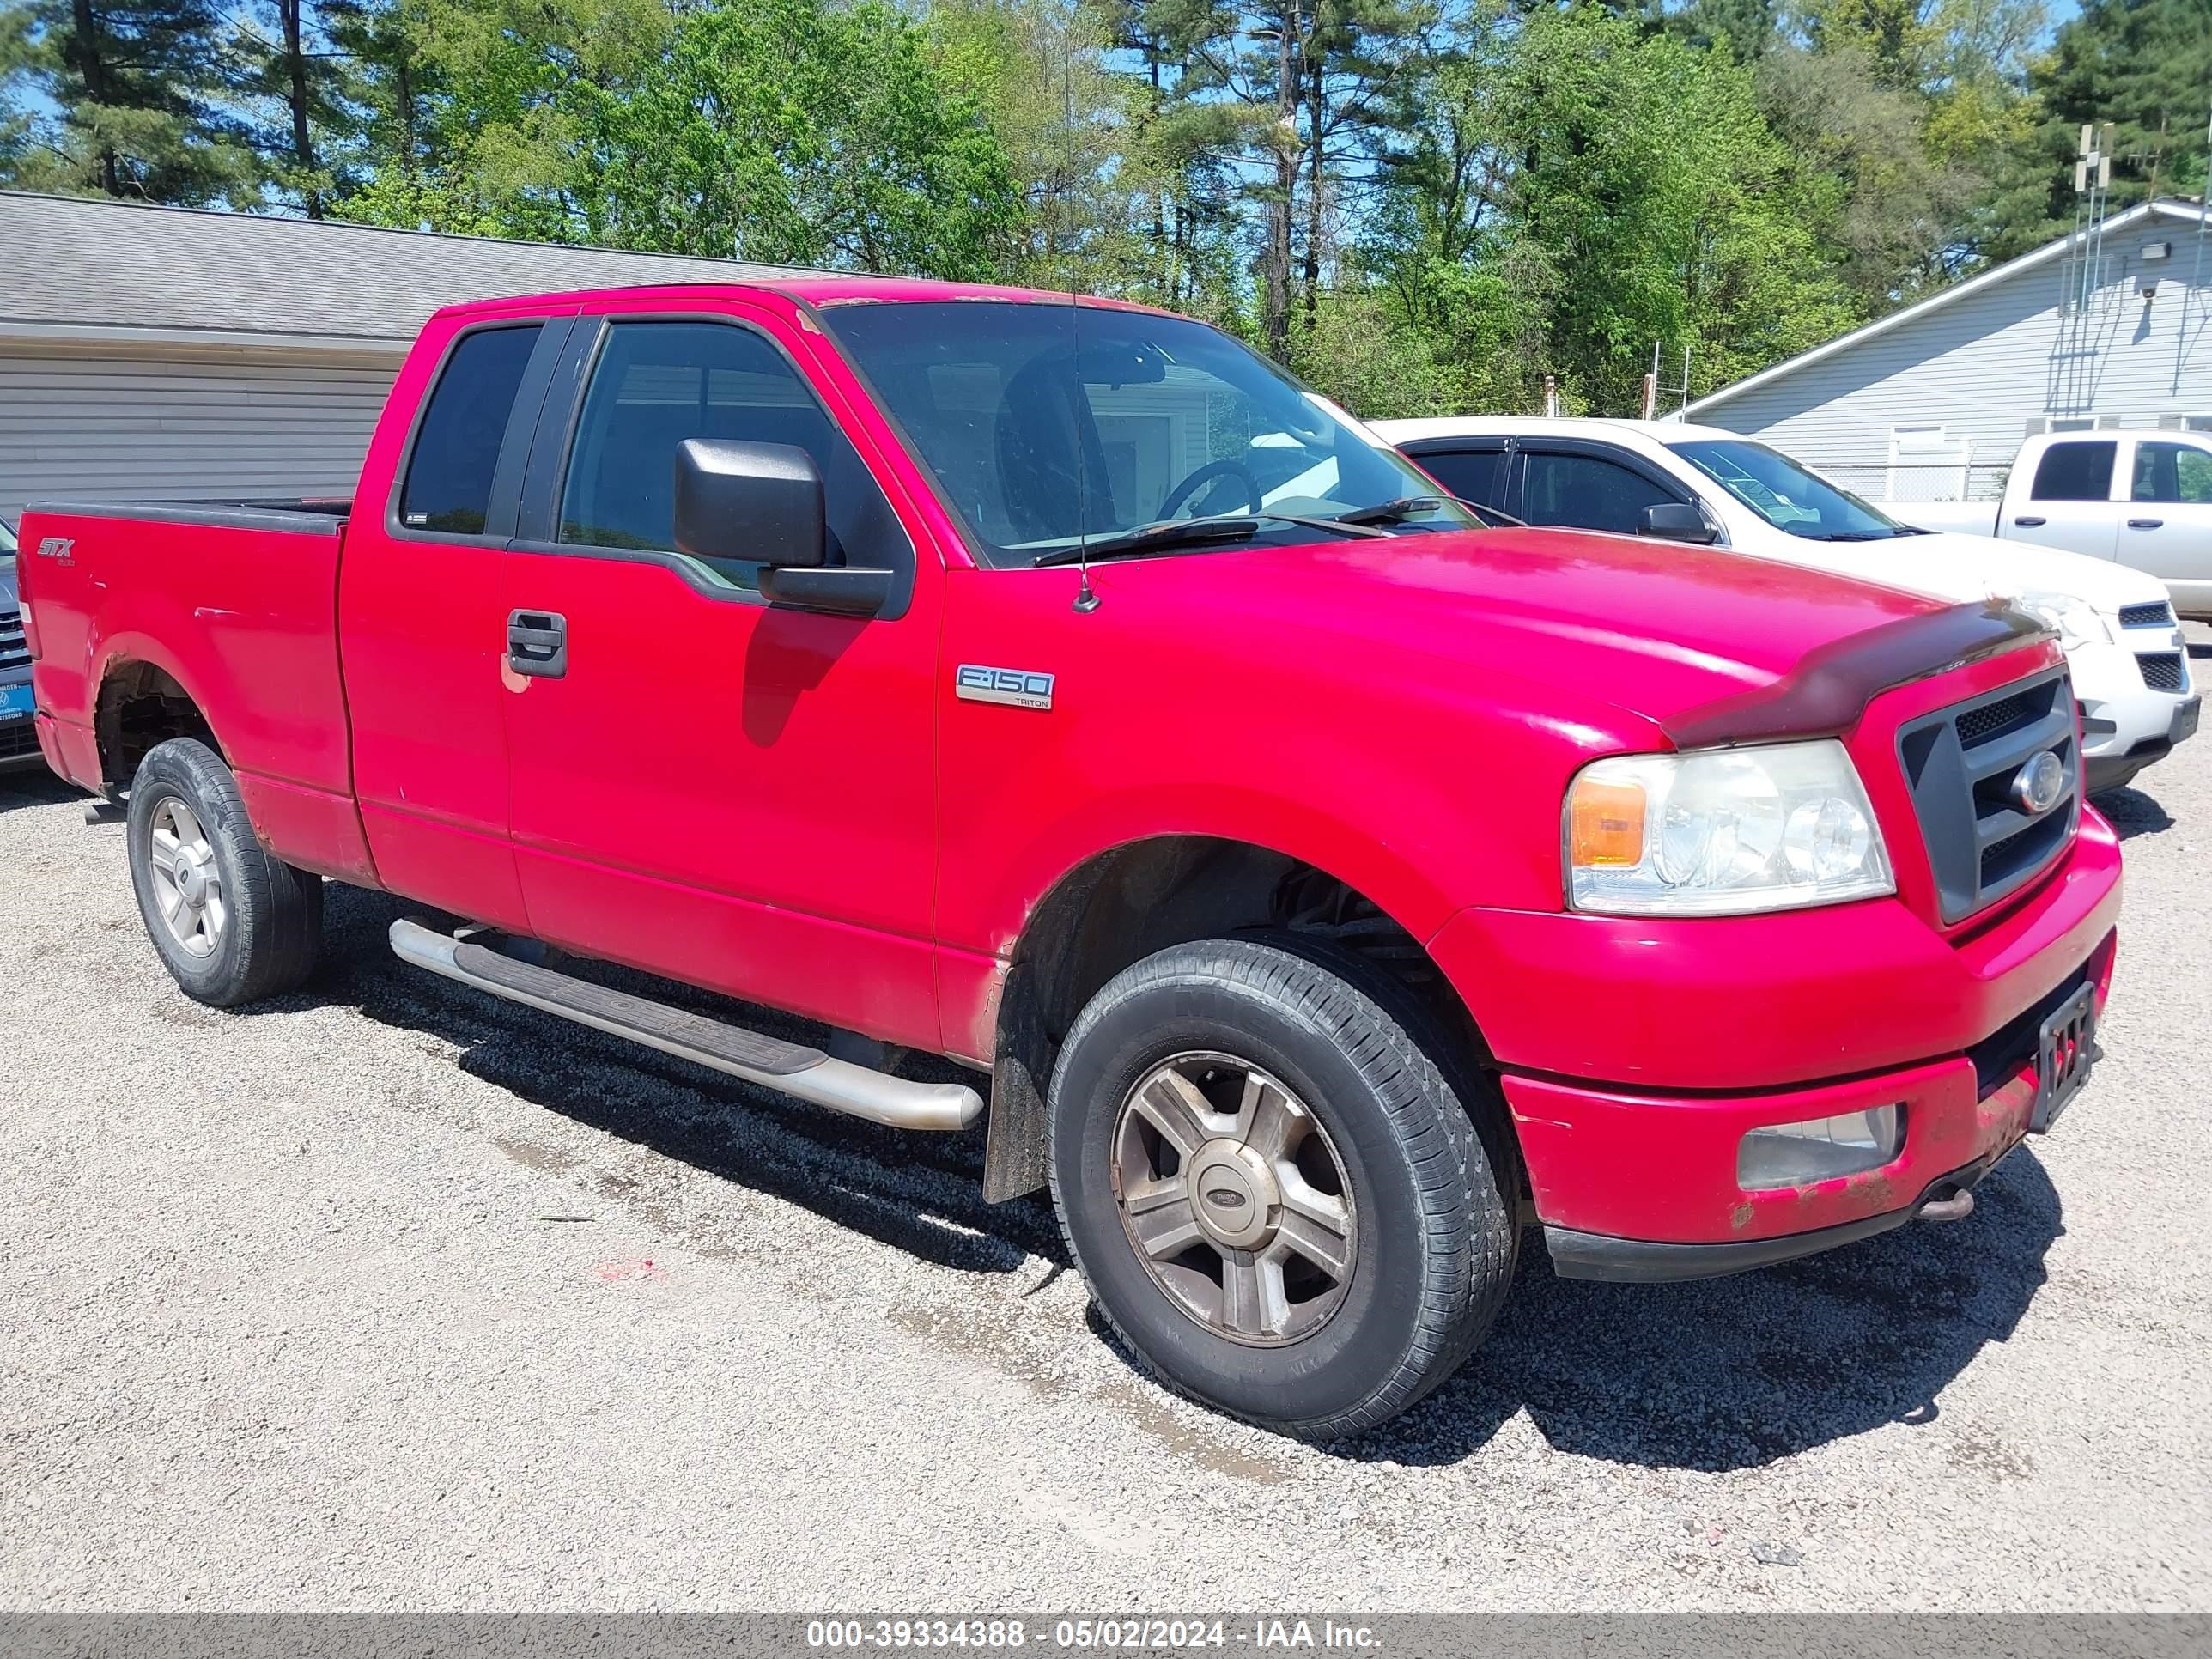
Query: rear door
2068,503
735,794
1473,469
421,616
2167,531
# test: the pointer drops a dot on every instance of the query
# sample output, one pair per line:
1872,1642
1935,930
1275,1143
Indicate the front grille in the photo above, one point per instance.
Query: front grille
2160,614
2161,671
1994,719
18,737
1960,765
13,653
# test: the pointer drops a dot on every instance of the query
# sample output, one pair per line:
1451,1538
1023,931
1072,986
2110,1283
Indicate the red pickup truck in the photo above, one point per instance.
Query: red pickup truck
1325,886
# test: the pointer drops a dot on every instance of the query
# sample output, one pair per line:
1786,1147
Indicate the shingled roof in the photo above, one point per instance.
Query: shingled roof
79,267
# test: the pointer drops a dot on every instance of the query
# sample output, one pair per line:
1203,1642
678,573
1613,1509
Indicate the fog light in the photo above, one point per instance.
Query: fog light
1819,1149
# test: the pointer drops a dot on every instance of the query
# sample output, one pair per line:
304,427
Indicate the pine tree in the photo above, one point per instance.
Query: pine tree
133,87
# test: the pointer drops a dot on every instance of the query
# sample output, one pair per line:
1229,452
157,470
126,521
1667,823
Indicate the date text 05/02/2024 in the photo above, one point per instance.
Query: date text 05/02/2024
1165,1635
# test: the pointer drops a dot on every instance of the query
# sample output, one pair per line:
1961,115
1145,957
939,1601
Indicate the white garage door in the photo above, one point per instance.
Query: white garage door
167,424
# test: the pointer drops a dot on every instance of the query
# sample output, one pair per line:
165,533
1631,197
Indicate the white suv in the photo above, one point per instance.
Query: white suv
1702,484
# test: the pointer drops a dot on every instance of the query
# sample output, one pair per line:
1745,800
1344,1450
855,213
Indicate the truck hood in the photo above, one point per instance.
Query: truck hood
1967,567
1651,628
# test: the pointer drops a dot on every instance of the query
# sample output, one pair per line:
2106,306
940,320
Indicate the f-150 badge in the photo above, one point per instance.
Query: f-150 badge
1016,687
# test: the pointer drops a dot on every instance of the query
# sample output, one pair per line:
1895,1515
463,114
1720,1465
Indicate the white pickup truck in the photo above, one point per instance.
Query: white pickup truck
1701,484
2140,499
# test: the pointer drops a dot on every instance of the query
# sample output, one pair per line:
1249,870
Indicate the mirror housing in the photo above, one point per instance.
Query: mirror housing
750,503
1676,521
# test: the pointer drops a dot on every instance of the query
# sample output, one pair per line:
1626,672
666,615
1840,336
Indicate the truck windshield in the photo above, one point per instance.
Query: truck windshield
1784,494
1051,426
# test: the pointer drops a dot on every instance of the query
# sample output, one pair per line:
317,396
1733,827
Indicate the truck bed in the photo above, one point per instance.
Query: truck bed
249,636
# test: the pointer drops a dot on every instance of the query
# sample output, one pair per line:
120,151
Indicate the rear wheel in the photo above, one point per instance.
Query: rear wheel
1277,1200
232,922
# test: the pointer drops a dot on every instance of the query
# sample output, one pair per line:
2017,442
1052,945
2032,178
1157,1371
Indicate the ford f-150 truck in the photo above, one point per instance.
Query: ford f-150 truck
1325,889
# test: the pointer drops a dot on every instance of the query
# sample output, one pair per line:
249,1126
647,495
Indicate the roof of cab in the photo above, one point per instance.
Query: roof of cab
816,289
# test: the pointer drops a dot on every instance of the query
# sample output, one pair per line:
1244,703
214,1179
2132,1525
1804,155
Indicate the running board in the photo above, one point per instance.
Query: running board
788,1067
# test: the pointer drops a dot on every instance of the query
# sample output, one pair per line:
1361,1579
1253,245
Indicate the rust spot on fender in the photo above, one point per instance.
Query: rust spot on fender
1740,1217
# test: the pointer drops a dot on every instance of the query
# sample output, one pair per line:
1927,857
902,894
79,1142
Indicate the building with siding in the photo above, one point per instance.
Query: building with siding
1931,403
149,353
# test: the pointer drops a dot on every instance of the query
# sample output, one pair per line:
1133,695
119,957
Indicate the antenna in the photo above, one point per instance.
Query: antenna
1086,600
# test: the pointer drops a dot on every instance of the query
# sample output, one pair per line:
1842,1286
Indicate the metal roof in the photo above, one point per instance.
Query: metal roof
2189,212
84,268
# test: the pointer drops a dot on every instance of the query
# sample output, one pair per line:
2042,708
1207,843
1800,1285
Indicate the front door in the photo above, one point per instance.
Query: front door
705,786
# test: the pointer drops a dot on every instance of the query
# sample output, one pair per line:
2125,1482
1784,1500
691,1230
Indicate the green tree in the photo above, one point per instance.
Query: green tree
120,98
2143,65
288,83
1072,128
1582,188
786,130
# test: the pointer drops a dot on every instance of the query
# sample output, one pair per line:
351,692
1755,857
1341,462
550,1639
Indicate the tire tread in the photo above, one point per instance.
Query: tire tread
1470,1230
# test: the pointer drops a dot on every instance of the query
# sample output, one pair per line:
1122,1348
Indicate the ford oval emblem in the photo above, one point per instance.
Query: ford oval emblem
1226,1198
2036,786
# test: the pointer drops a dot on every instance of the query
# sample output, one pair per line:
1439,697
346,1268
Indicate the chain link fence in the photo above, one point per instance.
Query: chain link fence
1919,480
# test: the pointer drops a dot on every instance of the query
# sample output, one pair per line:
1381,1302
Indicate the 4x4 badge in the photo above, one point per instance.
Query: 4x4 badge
1019,688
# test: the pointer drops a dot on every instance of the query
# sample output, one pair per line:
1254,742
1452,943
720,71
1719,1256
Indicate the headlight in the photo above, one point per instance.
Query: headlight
2074,620
1722,832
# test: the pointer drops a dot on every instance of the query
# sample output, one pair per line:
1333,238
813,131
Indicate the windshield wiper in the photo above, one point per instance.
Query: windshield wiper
1188,533
1392,512
1404,507
1857,536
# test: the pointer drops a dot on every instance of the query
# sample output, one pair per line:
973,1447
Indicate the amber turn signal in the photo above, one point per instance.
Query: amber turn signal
1605,824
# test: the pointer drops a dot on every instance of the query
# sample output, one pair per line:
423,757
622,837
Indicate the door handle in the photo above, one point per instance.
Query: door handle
537,643
2145,524
2030,521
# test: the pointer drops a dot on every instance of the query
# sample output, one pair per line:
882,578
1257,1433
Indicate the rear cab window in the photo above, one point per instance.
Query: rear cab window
2079,471
457,445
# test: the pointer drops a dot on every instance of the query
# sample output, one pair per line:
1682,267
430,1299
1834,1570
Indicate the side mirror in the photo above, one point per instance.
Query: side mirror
1676,521
750,503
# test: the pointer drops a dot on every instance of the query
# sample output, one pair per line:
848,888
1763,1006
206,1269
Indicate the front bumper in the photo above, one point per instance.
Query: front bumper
1644,1187
1704,1028
2125,724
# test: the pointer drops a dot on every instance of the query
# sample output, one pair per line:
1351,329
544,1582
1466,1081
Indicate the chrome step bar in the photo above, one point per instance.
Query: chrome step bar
790,1068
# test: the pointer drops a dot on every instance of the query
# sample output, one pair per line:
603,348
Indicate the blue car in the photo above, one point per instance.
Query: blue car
19,742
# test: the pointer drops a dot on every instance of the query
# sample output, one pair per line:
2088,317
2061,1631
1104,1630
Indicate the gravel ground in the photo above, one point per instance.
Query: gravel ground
389,1296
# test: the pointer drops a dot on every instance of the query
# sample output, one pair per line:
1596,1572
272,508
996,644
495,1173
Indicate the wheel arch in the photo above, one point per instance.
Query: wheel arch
1121,904
144,699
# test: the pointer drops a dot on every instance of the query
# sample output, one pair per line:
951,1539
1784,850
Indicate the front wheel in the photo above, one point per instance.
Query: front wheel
232,922
1277,1200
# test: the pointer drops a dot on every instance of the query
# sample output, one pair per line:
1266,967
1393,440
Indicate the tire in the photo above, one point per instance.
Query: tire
258,922
1428,1230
